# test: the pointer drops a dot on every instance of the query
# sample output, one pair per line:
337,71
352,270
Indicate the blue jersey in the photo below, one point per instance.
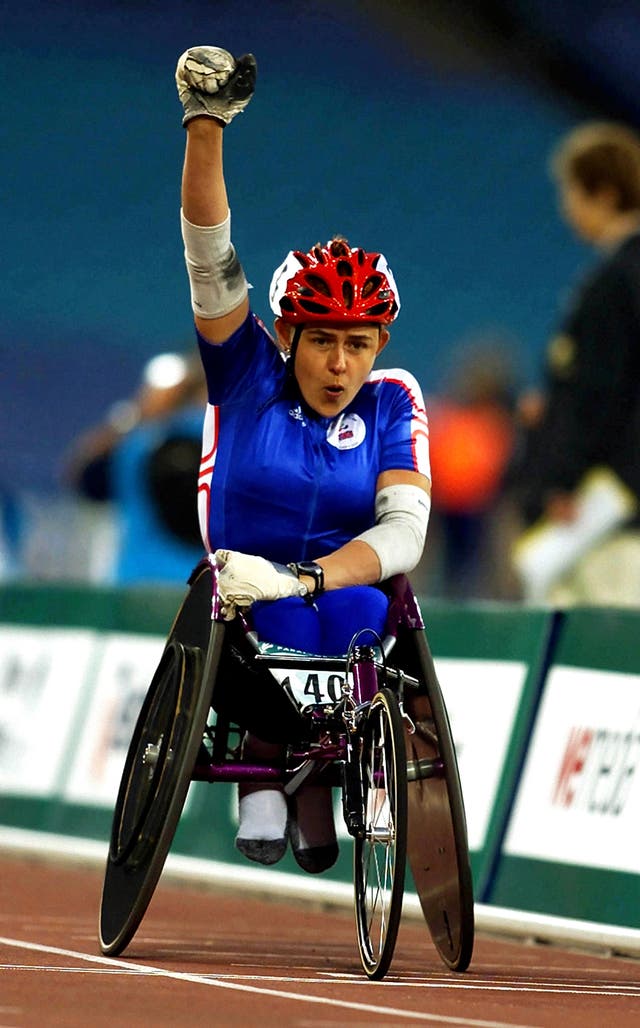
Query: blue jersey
279,480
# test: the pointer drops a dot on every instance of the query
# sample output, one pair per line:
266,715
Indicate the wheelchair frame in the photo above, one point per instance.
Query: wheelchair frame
383,738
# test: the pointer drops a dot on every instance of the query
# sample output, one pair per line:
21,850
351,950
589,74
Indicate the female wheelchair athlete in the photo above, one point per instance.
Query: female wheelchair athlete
372,723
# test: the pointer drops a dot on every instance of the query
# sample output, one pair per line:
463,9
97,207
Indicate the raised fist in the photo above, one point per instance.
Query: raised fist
213,84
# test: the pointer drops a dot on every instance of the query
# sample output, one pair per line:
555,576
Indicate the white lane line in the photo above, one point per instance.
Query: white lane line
70,970
578,989
197,979
587,990
623,991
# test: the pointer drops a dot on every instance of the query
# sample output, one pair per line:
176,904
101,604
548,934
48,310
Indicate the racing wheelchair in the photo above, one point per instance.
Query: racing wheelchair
372,723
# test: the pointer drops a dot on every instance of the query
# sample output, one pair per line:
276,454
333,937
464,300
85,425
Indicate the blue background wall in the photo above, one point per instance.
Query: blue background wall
382,132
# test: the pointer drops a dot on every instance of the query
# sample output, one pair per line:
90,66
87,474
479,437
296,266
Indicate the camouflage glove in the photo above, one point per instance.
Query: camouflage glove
211,82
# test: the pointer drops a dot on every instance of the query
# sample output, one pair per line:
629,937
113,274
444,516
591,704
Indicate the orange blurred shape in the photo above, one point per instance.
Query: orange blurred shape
470,448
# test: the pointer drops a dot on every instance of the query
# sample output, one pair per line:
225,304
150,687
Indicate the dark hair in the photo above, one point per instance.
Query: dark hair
601,155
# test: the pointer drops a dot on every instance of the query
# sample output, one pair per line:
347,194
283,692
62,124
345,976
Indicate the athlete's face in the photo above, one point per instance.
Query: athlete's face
332,362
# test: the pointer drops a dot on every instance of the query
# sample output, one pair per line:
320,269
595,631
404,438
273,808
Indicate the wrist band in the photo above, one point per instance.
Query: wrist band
312,570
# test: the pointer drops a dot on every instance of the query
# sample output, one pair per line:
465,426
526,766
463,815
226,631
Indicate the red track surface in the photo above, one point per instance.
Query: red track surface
204,958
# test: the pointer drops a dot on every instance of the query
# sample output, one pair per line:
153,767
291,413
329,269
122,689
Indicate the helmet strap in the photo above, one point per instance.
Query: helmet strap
297,332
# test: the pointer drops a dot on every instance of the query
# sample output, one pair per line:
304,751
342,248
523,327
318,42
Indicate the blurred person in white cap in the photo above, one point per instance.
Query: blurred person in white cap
144,460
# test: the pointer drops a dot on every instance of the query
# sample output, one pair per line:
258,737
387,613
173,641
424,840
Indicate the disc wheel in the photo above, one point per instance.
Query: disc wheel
380,852
154,786
437,832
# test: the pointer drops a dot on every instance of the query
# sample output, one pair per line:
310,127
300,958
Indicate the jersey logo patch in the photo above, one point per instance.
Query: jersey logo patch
297,415
346,431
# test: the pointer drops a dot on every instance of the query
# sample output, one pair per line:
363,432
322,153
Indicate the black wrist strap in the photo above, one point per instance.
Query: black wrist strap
312,570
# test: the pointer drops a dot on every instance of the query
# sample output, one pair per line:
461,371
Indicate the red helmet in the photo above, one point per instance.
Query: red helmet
334,283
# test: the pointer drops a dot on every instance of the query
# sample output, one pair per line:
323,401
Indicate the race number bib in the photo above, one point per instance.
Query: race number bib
312,688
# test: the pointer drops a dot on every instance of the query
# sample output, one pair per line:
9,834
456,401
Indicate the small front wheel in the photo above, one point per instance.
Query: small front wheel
380,852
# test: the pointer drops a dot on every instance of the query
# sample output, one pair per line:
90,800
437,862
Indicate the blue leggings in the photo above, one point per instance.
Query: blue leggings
326,626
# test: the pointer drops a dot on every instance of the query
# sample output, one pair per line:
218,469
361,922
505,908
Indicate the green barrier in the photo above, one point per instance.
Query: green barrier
491,661
572,844
138,609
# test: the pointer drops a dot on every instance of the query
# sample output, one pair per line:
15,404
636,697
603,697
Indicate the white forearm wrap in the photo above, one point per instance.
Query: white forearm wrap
216,277
402,516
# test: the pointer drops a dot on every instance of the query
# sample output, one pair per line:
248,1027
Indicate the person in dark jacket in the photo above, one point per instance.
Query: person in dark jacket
579,471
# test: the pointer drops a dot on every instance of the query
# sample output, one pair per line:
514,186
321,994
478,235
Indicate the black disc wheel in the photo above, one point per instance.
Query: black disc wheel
437,833
380,851
154,786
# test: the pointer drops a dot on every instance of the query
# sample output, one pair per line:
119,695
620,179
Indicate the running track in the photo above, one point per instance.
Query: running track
214,958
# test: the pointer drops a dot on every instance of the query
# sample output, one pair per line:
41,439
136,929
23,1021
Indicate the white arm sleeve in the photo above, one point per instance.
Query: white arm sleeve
397,538
217,281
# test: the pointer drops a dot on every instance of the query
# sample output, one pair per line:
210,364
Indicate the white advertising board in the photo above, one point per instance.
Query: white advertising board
482,699
579,796
122,679
42,674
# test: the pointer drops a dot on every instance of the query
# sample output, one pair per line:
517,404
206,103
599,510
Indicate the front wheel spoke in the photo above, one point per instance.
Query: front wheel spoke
379,876
382,851
377,913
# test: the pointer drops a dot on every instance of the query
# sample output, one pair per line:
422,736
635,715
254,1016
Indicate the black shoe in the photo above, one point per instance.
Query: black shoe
312,859
316,859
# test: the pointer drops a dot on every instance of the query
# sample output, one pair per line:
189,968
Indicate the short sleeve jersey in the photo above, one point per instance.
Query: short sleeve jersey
279,480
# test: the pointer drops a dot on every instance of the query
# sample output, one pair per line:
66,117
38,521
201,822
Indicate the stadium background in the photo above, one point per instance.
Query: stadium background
419,128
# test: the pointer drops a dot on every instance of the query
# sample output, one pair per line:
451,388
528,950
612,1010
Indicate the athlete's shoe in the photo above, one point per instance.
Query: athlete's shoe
312,830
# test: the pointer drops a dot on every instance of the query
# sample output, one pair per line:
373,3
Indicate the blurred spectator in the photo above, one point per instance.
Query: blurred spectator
578,474
11,532
471,439
144,459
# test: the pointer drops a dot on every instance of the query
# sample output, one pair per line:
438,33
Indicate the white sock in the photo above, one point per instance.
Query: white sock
263,815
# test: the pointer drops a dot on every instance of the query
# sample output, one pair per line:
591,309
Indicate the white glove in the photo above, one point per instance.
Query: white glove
212,82
243,579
